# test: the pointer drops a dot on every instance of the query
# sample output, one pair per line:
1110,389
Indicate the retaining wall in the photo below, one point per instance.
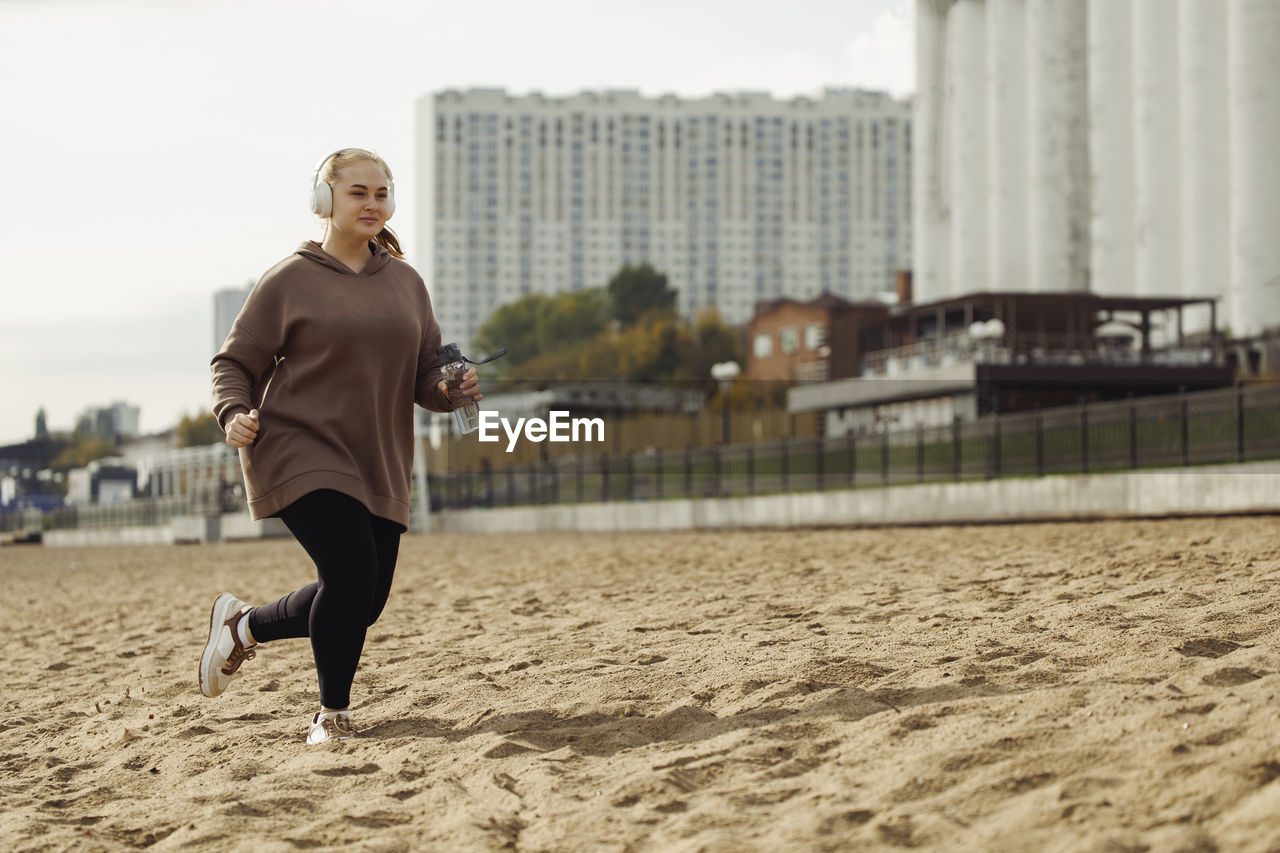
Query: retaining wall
182,530
1227,489
1203,490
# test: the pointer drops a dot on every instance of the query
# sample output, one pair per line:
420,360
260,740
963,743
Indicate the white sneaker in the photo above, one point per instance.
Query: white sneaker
224,652
330,725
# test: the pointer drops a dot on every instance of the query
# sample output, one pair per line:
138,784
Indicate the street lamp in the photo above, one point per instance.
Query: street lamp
724,373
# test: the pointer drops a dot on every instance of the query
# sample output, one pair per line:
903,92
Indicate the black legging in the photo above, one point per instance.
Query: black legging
355,556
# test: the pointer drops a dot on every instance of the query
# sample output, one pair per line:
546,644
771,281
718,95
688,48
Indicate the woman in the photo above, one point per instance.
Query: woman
316,385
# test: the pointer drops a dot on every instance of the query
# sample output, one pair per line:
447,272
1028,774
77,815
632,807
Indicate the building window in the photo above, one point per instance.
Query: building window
789,340
762,346
815,335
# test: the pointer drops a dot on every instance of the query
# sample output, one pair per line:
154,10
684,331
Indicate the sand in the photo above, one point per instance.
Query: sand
1090,686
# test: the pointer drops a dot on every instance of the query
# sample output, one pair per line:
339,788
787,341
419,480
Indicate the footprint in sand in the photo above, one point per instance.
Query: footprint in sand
1218,738
1207,647
506,749
845,821
1264,773
349,770
1231,676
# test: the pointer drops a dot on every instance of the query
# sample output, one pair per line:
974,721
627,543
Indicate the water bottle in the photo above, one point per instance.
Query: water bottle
454,364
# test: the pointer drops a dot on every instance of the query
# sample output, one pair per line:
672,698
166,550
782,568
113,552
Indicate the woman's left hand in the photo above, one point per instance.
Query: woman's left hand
467,392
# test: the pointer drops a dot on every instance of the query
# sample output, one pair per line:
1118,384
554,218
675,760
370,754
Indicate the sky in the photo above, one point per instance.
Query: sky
159,150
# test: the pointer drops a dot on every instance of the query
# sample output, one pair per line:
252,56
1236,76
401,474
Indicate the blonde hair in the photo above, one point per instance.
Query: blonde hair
329,175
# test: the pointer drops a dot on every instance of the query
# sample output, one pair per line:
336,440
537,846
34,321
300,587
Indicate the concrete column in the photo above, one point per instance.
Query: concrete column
1112,217
1008,259
966,115
1204,149
1057,150
1253,87
1156,143
930,189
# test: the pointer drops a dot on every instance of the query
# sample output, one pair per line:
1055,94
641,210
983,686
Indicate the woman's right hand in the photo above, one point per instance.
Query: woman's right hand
243,429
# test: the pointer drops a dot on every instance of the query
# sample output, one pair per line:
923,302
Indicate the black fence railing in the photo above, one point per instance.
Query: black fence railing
1237,424
146,512
19,520
141,512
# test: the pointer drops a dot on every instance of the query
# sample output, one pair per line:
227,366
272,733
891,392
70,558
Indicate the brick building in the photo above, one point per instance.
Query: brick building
824,338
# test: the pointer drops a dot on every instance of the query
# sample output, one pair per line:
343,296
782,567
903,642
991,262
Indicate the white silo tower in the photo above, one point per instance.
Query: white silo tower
1007,232
1111,231
1253,99
966,112
1058,144
1156,160
930,188
1204,151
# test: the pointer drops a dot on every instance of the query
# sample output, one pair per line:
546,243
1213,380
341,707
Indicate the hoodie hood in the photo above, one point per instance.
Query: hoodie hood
316,254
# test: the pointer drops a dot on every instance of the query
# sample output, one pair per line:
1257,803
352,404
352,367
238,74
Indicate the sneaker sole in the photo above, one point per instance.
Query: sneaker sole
217,617
329,739
334,739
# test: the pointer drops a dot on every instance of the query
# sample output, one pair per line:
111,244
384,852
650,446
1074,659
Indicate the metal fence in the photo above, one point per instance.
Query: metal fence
140,512
20,520
136,513
1236,424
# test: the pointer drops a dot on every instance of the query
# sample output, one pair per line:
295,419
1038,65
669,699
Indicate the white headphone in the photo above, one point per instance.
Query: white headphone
322,193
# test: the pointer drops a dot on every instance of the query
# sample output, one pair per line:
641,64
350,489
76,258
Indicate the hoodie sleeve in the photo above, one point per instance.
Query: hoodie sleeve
427,393
248,353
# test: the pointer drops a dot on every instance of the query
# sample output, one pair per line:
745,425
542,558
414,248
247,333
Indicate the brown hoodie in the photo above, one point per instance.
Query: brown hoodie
333,361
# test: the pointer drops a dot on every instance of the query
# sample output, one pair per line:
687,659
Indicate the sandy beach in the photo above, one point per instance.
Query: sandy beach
1089,686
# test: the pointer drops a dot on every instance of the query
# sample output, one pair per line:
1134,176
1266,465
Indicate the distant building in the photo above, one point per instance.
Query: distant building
793,341
117,420
736,197
993,353
226,307
105,481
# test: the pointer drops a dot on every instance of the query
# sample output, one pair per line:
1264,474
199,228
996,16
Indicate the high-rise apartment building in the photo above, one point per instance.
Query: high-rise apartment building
227,303
736,197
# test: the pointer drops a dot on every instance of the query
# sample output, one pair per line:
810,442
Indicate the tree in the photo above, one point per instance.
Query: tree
569,319
514,326
42,425
570,336
86,449
653,348
536,325
715,342
636,291
198,430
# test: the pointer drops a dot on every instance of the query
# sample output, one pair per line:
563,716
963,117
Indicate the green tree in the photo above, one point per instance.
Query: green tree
628,330
713,342
514,326
596,359
717,340
653,348
536,325
639,290
570,319
84,450
198,430
42,425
